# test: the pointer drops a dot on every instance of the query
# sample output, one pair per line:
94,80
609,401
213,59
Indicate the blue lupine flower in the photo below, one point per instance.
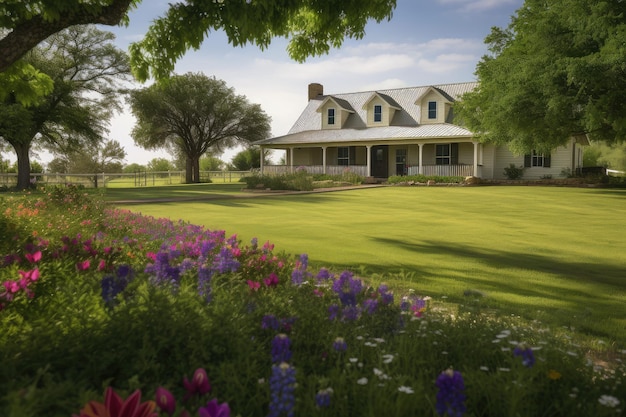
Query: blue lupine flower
270,321
347,288
451,396
386,297
225,261
322,398
526,352
351,313
333,312
282,389
370,305
280,348
340,344
323,275
112,285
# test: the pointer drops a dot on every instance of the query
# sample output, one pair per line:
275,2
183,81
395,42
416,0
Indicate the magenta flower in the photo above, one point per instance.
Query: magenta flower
271,280
199,383
84,265
33,257
165,400
213,409
253,285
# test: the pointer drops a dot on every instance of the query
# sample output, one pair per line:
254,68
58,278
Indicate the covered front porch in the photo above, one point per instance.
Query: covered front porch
382,161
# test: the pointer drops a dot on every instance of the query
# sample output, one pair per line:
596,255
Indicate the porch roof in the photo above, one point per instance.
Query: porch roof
377,134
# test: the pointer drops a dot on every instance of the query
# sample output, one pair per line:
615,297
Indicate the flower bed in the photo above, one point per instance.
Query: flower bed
97,300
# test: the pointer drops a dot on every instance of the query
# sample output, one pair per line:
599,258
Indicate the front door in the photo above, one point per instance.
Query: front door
380,161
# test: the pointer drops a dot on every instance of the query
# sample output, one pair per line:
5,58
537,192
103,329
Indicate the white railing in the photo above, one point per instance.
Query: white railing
135,179
316,169
443,170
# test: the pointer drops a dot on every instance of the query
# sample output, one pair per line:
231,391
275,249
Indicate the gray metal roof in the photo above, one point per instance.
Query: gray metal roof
308,127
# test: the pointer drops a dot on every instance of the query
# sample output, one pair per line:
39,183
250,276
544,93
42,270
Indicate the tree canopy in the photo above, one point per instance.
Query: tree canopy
557,71
194,114
87,70
313,26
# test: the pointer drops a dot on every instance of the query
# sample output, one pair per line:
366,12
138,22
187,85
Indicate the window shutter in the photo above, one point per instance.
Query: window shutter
527,160
454,154
546,161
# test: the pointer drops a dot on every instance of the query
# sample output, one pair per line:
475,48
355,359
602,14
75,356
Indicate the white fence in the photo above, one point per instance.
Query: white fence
135,179
316,169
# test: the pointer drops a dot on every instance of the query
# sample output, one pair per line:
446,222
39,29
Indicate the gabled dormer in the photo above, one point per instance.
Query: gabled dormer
335,112
380,109
435,106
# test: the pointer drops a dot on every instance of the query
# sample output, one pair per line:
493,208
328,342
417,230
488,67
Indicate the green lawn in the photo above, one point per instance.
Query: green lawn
557,255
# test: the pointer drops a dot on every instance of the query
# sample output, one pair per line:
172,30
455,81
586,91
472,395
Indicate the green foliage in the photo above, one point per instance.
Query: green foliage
248,159
398,179
313,28
612,155
194,114
298,181
514,172
555,72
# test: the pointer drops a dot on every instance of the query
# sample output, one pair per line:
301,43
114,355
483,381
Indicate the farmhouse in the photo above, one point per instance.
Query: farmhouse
403,131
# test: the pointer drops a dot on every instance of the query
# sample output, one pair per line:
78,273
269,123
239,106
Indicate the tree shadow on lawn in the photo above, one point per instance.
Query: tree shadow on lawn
593,302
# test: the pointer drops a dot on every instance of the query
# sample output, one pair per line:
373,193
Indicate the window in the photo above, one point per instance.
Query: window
442,154
331,116
378,113
535,159
401,168
432,109
343,156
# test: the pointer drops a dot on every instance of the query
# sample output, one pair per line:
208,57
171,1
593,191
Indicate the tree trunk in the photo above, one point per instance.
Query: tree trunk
196,169
23,165
188,170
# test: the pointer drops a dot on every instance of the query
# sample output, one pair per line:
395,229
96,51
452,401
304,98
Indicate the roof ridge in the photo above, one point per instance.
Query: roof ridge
401,88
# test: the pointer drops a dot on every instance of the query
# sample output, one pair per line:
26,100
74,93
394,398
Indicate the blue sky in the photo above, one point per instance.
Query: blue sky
425,43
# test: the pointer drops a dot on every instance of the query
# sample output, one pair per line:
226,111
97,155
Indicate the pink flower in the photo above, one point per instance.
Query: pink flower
101,265
253,285
114,406
165,400
32,275
199,383
84,265
271,280
33,257
213,409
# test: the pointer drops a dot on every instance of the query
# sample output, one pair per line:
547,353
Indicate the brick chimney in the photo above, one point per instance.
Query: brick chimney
315,90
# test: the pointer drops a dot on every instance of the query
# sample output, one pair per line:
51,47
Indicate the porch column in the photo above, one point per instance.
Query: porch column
261,167
291,159
324,159
475,172
368,158
421,160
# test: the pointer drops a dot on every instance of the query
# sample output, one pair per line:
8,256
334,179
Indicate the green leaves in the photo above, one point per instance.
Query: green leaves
556,71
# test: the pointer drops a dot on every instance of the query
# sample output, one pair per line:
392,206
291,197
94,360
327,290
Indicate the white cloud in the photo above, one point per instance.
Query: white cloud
477,5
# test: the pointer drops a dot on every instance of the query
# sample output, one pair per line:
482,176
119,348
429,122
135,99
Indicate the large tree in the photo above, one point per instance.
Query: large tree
87,70
557,71
194,114
313,26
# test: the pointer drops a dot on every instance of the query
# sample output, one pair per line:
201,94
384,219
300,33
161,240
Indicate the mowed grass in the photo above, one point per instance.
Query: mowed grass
556,255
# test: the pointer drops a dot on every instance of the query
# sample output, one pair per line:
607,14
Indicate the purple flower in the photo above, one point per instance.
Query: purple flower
451,396
340,345
225,261
213,409
270,321
370,305
322,398
347,288
386,297
323,275
526,353
333,312
351,313
282,389
280,348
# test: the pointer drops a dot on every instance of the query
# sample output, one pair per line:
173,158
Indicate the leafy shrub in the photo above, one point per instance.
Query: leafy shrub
513,172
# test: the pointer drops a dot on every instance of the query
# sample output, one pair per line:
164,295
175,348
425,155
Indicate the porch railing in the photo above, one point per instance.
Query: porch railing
443,170
316,169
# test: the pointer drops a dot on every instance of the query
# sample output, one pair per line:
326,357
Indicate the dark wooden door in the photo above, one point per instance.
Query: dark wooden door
380,161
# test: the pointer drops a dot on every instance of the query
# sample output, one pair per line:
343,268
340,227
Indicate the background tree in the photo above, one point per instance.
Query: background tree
194,114
134,167
611,156
314,26
160,164
248,159
87,70
211,163
555,72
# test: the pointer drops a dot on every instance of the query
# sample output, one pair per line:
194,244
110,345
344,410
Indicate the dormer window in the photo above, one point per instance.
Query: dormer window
378,113
331,116
432,109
